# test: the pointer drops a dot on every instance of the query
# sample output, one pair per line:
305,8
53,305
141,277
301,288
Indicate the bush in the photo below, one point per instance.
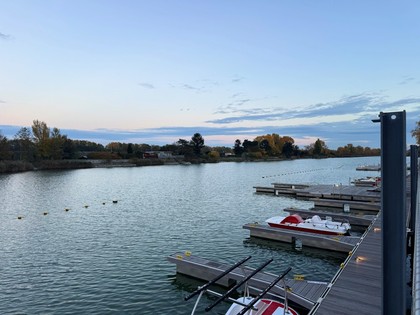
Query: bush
103,156
15,166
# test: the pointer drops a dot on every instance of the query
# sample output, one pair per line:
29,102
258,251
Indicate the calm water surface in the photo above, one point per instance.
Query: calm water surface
111,258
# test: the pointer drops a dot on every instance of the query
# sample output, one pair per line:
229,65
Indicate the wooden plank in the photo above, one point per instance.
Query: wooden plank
356,289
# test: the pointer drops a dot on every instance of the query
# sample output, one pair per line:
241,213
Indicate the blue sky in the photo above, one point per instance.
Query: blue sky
157,71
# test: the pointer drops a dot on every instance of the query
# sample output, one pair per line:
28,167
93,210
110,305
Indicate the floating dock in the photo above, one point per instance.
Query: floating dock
329,242
369,168
372,207
340,197
304,293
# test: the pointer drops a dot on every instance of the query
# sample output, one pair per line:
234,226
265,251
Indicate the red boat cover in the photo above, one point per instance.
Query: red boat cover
294,218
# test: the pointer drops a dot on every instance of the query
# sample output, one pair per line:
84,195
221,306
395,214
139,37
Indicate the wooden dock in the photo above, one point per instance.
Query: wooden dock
372,207
339,197
376,168
304,293
356,288
328,242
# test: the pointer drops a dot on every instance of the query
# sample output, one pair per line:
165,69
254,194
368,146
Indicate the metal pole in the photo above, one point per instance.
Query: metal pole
393,196
414,171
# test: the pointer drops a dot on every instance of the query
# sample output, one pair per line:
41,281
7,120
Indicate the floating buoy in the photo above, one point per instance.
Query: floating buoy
86,206
67,209
114,201
45,213
103,203
20,217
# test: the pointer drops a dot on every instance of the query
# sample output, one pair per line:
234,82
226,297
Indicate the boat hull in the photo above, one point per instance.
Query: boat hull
305,229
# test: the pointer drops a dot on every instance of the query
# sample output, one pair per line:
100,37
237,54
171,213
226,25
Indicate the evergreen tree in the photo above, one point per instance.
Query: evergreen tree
197,142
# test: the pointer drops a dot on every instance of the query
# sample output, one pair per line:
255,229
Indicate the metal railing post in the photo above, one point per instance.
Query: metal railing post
393,205
414,171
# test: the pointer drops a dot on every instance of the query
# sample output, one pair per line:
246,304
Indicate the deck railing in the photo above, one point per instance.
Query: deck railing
415,306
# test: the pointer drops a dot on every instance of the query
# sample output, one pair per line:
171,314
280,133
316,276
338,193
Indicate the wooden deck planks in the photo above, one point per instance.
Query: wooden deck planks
358,288
334,192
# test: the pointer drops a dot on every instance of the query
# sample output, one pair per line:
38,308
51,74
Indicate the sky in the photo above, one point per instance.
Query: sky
159,71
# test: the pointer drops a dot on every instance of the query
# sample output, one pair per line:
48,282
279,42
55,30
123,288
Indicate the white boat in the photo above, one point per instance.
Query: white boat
312,225
247,305
367,181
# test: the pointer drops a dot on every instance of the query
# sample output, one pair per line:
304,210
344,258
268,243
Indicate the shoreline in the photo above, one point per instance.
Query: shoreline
11,167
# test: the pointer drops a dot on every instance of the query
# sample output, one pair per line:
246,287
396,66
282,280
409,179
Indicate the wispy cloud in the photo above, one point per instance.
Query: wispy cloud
350,122
190,87
237,79
147,85
4,36
406,80
356,105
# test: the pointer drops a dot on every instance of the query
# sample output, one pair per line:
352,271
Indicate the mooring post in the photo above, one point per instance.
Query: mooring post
393,205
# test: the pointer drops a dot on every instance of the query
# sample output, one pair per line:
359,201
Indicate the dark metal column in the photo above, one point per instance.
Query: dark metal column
414,171
393,166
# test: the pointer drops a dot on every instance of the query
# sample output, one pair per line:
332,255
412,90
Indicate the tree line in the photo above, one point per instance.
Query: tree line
41,142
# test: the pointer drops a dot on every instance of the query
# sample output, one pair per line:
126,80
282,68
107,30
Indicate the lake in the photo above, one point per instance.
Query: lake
102,257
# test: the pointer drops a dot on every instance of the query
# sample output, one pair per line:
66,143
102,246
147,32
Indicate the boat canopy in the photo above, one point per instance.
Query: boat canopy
294,218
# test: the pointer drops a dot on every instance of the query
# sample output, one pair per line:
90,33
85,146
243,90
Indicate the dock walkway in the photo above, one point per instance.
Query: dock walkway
356,288
304,293
330,242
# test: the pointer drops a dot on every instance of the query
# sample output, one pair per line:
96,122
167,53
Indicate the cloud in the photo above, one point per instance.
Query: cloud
406,80
354,105
190,87
237,79
5,36
147,85
347,120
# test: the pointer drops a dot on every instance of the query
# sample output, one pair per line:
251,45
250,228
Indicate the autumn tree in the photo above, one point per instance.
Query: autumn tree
49,143
317,148
57,141
41,135
26,149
